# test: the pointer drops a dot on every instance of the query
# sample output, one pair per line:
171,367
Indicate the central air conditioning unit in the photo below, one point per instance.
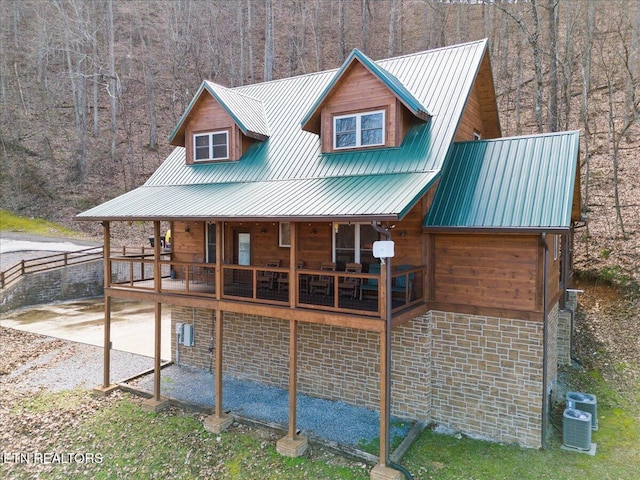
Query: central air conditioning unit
585,402
576,430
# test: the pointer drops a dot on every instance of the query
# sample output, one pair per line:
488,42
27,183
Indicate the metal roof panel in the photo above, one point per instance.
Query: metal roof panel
520,182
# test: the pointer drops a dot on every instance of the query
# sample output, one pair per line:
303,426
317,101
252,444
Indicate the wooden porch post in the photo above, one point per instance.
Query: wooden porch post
293,266
156,367
384,411
293,377
219,336
292,444
383,470
218,422
156,403
106,386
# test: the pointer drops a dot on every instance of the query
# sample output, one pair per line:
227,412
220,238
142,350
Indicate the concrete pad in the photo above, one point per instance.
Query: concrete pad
154,406
104,391
292,447
381,472
591,451
132,324
215,424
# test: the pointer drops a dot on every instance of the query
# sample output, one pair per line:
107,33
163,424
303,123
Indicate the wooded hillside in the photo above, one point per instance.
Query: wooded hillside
90,90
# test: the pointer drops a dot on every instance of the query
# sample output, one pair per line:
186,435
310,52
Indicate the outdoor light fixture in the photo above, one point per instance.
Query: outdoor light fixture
187,229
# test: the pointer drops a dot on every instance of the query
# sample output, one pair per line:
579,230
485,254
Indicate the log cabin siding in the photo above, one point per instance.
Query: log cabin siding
358,91
188,246
486,271
471,119
209,116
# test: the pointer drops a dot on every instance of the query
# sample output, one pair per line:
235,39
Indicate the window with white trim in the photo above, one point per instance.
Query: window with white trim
364,129
211,146
353,242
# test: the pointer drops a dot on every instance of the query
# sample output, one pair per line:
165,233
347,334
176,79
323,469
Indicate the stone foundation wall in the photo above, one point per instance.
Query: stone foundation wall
564,328
478,375
333,362
487,376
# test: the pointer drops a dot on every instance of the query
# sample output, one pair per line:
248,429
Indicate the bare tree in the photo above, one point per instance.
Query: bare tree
552,10
533,38
365,15
393,21
269,42
341,42
113,81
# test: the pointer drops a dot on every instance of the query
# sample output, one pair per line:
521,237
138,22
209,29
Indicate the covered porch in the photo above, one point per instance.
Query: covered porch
204,267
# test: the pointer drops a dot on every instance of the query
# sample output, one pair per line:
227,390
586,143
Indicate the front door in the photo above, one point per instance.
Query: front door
242,255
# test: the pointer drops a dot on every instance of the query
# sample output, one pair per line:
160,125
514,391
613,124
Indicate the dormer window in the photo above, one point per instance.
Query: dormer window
359,130
211,146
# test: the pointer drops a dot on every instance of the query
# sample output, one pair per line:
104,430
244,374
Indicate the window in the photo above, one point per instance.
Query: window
285,234
353,242
359,130
211,243
477,135
211,146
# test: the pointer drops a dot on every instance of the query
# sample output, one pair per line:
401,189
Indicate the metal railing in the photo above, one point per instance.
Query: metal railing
317,289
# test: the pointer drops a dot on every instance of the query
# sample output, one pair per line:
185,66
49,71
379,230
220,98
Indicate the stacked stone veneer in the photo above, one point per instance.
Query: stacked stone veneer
478,375
564,328
81,280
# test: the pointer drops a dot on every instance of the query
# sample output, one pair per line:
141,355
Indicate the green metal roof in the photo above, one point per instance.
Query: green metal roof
319,198
522,183
289,166
388,79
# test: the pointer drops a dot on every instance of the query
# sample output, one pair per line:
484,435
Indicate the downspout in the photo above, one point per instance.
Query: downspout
387,461
545,394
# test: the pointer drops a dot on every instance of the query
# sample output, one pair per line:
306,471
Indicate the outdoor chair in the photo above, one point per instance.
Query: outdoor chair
349,285
371,284
322,283
195,271
403,283
283,279
266,279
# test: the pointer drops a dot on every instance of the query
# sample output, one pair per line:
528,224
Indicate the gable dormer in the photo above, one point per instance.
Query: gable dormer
219,125
364,106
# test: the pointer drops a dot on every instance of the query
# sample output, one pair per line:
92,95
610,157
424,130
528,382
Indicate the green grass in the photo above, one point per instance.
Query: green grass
617,456
136,444
37,226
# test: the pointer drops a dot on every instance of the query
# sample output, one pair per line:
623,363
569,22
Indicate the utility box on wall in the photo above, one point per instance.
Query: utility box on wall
187,335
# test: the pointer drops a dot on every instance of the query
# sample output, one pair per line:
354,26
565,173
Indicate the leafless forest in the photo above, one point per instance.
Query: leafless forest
90,89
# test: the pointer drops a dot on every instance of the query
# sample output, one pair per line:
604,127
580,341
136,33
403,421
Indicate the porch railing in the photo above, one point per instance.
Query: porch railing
316,289
48,262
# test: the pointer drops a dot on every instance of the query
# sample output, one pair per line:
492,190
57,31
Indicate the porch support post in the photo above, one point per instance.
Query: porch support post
384,470
219,277
293,266
106,387
292,445
156,403
219,421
